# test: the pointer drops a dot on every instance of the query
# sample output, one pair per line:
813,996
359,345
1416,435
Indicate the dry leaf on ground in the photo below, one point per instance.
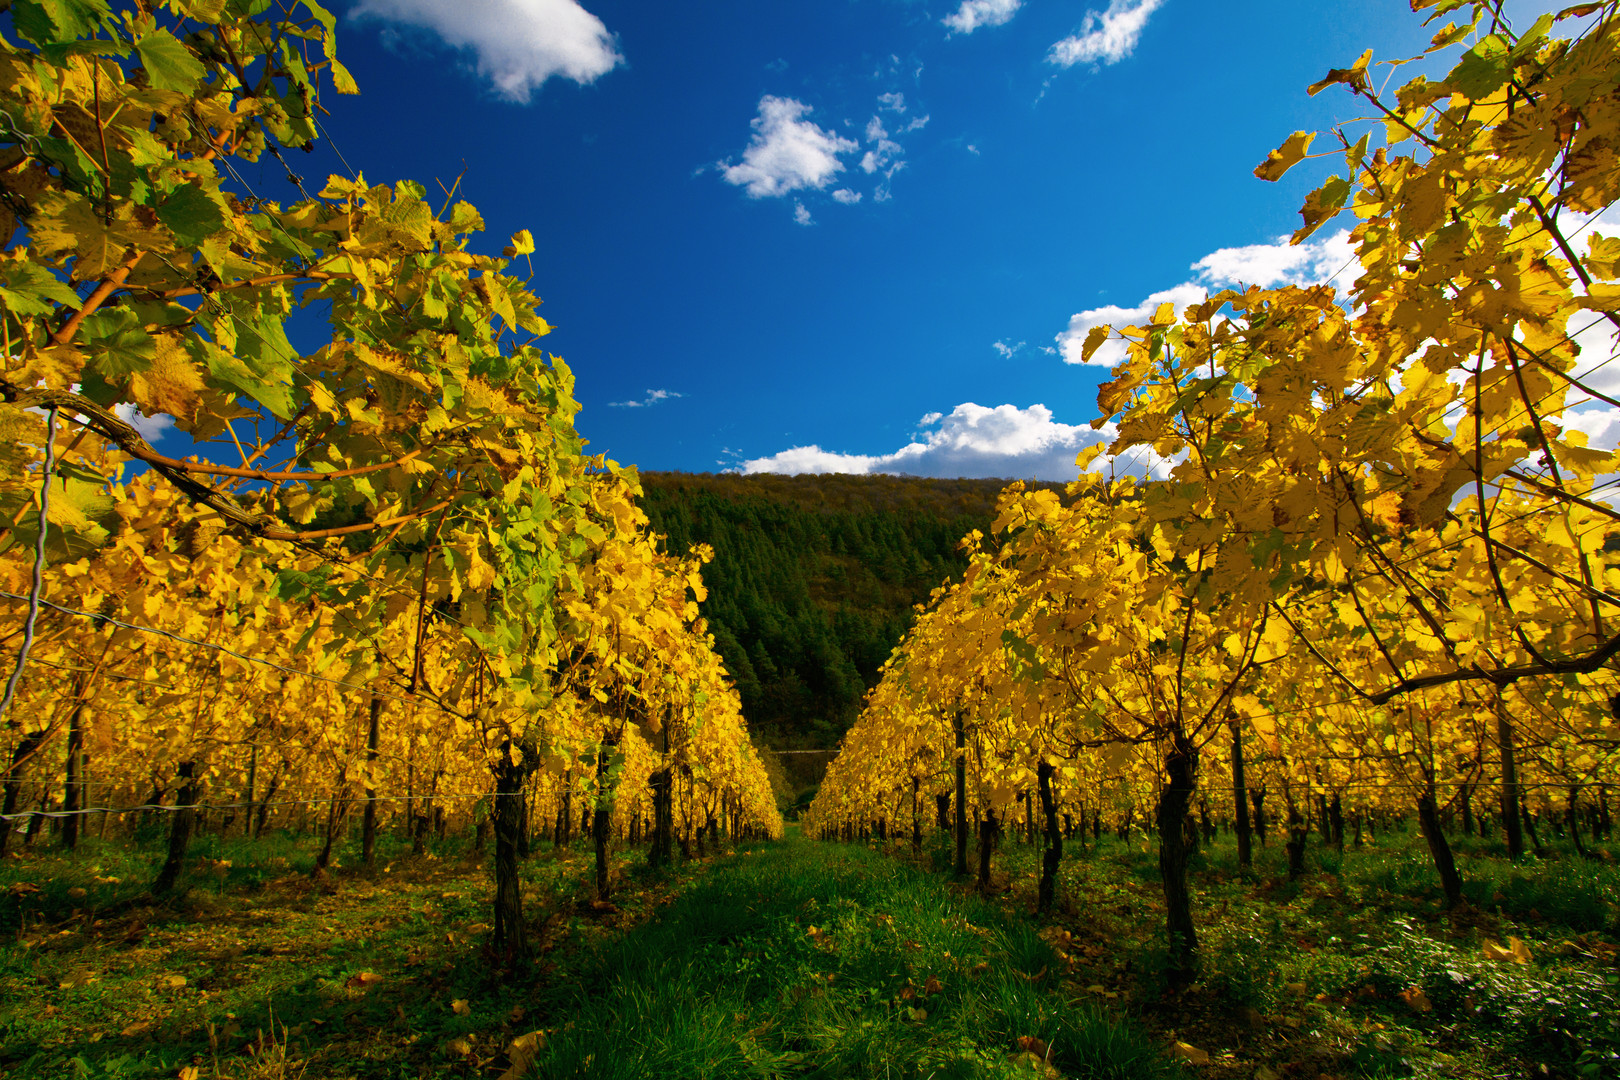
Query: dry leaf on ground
1189,1053
522,1053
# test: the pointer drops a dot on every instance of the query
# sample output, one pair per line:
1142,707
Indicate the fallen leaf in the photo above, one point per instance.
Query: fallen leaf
173,982
1520,951
522,1053
1298,989
515,1015
1417,1000
1035,1063
932,986
363,980
1033,1045
460,1007
1189,1053
459,1045
77,893
139,1028
189,1072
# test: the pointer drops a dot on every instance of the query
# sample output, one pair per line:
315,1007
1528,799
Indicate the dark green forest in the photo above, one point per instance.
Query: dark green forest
814,580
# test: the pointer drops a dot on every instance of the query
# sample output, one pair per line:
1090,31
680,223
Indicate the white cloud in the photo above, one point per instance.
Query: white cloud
151,428
1255,264
1107,38
976,13
1072,341
973,441
1005,349
786,152
1601,425
1278,262
846,196
916,123
894,102
801,216
519,44
653,397
885,156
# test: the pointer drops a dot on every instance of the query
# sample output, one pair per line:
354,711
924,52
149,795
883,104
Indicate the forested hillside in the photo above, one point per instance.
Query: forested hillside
814,578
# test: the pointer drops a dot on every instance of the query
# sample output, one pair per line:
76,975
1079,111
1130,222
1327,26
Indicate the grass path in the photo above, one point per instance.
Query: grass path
818,960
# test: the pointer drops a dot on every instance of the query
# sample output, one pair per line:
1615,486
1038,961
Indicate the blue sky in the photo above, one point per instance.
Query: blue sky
853,235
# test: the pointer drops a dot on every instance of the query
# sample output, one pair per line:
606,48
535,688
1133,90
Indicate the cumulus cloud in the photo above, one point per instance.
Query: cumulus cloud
846,196
1071,342
1105,38
972,441
653,397
1255,264
1007,351
151,428
518,44
786,152
1278,262
801,216
976,13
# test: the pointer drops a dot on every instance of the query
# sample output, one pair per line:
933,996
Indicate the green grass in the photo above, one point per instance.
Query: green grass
1319,974
253,972
829,961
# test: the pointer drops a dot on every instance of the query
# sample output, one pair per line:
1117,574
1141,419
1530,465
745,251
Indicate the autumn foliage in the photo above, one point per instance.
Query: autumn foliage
1380,566
389,570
